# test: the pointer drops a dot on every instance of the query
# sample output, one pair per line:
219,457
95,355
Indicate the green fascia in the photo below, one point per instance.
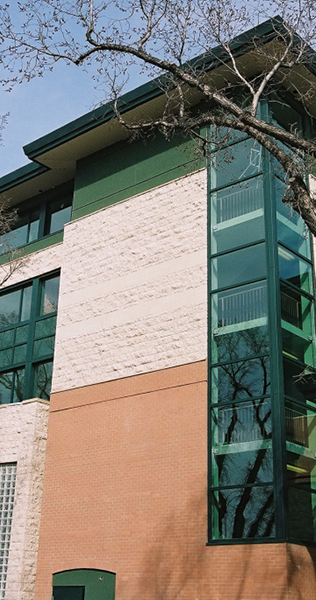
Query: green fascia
21,175
148,91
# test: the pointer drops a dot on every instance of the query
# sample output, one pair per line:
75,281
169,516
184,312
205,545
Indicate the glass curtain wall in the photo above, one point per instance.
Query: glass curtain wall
262,424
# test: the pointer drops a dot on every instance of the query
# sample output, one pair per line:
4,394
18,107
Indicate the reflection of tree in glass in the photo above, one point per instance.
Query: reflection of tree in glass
243,423
44,379
246,513
11,386
242,343
8,318
5,384
19,384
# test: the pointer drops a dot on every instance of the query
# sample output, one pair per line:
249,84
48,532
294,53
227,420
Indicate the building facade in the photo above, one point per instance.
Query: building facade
160,336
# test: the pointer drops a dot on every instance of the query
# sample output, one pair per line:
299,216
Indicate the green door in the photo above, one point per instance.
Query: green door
84,584
68,592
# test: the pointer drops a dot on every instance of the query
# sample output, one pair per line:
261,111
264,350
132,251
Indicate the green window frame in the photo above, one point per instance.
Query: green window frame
27,337
43,216
262,417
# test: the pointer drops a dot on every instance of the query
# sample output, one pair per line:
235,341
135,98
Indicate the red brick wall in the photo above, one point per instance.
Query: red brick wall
125,491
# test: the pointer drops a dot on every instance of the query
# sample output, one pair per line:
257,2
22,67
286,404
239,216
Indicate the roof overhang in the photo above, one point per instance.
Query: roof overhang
55,155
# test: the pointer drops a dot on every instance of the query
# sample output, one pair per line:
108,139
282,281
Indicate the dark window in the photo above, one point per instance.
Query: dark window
27,336
42,217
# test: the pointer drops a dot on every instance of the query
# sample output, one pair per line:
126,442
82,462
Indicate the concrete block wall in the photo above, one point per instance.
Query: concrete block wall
23,432
133,296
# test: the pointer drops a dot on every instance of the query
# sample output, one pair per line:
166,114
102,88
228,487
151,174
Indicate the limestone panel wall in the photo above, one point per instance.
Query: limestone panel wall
23,432
133,290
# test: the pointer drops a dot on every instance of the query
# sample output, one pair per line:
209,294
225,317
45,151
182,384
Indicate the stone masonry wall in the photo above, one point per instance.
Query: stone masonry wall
23,431
134,288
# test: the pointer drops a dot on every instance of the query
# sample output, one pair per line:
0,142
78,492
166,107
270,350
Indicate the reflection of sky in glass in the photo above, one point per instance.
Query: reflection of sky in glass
236,162
294,270
59,217
10,308
238,267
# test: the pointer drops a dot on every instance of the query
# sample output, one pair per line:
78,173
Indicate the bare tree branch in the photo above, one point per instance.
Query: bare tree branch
161,37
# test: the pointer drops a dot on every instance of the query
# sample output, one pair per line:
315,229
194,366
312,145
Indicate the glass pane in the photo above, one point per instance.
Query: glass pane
223,135
242,343
43,380
5,358
302,514
21,334
236,162
294,236
296,309
243,513
6,380
50,295
300,425
295,270
238,380
301,469
230,227
26,303
243,467
237,200
19,353
34,226
241,423
300,429
239,305
297,346
60,213
43,347
237,267
18,390
10,308
299,384
45,327
18,236
286,116
6,338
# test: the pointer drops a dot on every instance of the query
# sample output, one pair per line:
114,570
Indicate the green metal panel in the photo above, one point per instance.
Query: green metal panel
99,585
125,170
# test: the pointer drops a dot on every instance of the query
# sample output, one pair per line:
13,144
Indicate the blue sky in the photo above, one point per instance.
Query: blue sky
40,106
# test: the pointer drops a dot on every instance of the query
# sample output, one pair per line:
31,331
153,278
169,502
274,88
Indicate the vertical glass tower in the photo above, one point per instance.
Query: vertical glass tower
262,416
